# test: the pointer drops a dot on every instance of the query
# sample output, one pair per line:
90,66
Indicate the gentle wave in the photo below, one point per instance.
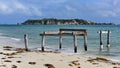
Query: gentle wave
16,39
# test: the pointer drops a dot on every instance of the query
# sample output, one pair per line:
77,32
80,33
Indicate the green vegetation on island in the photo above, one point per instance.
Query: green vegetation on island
50,21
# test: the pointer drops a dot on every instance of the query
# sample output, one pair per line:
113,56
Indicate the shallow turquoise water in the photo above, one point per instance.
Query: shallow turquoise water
13,35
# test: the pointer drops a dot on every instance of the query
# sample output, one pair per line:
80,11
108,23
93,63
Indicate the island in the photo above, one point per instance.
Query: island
54,21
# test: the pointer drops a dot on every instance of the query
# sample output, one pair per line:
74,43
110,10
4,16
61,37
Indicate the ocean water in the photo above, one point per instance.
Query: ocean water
13,35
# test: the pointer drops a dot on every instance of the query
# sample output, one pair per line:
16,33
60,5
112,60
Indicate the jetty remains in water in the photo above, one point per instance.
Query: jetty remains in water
66,32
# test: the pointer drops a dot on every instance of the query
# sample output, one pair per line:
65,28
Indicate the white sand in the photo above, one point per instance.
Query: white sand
12,59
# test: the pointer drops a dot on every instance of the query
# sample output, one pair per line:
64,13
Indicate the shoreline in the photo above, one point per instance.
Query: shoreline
19,58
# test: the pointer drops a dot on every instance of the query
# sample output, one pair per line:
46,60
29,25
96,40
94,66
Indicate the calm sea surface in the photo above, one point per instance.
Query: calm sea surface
12,35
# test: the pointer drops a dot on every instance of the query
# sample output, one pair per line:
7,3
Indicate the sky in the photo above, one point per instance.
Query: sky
18,11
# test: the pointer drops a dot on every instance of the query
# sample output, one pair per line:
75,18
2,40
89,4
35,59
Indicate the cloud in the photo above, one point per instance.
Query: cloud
86,9
69,8
5,8
29,7
14,6
103,8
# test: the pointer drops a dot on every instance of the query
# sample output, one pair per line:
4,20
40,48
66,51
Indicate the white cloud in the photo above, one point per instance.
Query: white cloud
5,9
103,8
14,6
107,13
69,8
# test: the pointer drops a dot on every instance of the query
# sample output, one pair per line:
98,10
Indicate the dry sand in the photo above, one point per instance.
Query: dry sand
18,58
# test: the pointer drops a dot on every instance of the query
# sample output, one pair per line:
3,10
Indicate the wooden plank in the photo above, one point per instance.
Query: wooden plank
49,34
52,32
63,34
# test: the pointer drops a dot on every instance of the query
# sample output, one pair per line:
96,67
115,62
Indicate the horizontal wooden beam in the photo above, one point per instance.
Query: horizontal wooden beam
52,32
63,34
72,29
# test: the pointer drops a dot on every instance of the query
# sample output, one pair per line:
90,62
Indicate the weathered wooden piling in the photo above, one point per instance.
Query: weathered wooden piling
26,42
101,45
43,42
60,40
108,39
85,42
75,43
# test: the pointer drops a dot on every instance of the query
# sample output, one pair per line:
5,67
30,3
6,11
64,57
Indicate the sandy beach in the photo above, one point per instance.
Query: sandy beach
11,57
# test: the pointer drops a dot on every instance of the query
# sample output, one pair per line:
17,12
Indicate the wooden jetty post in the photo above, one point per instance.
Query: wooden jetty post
101,45
75,43
43,42
26,42
60,40
108,39
85,41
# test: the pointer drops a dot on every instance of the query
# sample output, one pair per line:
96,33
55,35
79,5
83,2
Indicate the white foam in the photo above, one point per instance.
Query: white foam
16,39
10,41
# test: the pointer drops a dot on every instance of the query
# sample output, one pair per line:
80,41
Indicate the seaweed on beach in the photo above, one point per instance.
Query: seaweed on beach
18,61
2,65
98,59
3,58
102,59
14,66
75,63
7,47
32,63
7,61
116,67
9,54
20,50
10,57
70,65
49,65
